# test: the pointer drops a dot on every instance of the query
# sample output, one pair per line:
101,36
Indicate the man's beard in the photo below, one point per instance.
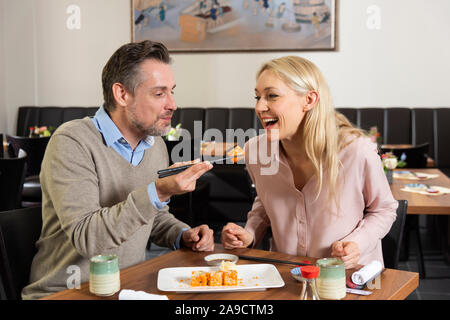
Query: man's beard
153,130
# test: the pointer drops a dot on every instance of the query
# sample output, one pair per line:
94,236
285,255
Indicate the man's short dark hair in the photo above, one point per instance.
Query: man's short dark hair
123,67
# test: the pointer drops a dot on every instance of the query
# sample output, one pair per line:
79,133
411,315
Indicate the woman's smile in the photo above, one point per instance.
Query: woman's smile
269,122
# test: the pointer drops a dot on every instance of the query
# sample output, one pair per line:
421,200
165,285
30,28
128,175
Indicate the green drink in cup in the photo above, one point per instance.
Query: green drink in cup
331,281
104,275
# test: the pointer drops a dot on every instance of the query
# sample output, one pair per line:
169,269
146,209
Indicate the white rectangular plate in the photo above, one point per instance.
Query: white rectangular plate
254,277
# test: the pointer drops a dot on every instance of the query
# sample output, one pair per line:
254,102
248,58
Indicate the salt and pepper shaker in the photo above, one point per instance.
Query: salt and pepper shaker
309,288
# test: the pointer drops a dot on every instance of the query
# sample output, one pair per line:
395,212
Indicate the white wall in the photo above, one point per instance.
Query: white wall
48,64
405,63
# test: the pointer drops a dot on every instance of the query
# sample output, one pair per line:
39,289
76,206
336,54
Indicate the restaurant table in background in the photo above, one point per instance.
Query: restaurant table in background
396,146
394,284
420,203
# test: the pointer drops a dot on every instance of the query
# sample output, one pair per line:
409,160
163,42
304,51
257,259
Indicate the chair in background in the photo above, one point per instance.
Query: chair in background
12,175
35,148
416,156
19,231
392,242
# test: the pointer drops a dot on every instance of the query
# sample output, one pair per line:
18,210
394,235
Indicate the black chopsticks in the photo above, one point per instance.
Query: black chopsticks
171,171
273,260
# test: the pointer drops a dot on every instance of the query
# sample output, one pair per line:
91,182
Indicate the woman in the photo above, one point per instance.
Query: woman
329,196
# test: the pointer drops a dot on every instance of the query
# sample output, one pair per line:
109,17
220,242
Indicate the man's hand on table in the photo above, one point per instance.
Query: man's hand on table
199,238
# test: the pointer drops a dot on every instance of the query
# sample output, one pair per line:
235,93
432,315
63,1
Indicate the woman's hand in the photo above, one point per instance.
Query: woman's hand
234,236
347,251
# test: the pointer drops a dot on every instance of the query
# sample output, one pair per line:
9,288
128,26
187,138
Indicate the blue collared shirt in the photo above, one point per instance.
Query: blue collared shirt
113,138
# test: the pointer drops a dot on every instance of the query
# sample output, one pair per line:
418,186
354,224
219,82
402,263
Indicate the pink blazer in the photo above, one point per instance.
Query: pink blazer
305,226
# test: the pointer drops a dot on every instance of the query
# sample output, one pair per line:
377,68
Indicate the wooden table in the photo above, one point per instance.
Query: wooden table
396,146
394,284
423,204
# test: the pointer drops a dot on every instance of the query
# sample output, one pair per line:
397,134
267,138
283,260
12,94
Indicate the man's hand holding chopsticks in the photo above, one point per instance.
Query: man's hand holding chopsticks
182,182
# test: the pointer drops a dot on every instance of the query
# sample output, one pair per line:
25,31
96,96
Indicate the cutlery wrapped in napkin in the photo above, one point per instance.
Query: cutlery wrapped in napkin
367,273
140,295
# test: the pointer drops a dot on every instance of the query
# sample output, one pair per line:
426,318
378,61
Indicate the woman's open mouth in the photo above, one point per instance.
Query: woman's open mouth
269,123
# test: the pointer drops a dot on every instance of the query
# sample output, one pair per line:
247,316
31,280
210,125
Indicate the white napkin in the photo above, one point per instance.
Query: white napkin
367,272
140,295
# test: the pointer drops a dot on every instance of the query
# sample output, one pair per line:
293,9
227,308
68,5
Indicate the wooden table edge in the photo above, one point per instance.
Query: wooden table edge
399,294
412,284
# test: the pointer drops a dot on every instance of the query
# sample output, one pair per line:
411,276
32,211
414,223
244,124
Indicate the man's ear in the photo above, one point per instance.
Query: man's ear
311,100
121,95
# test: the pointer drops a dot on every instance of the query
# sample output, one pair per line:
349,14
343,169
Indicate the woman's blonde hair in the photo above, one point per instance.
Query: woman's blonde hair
325,131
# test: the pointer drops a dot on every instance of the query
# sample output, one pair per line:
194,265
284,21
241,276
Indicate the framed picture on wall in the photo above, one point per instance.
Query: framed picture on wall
236,25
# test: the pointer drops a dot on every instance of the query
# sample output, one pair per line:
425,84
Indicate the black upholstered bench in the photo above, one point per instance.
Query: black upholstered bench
230,194
48,116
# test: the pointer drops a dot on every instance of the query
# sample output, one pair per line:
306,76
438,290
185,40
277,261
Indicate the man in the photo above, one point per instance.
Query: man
100,192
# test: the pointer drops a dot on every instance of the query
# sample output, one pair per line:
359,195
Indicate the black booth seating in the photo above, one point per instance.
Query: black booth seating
414,126
48,116
229,188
